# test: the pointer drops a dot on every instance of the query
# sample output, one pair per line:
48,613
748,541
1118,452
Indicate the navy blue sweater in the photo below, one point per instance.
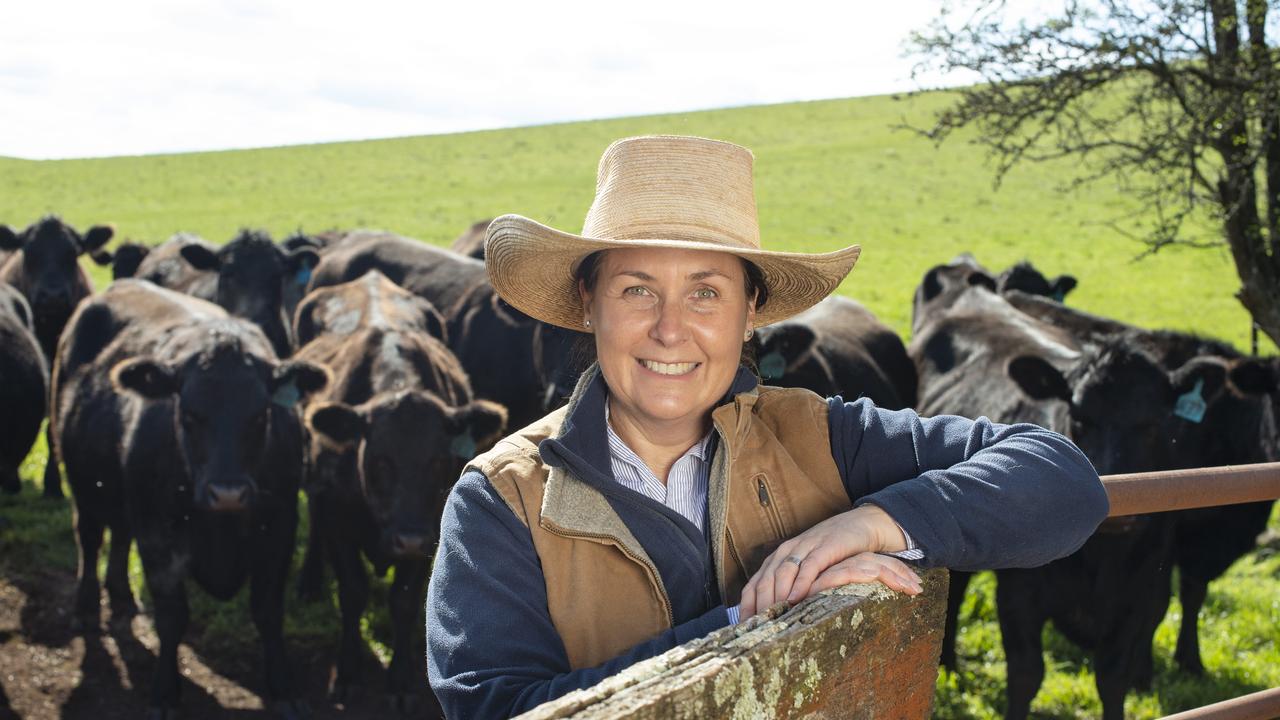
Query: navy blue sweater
972,495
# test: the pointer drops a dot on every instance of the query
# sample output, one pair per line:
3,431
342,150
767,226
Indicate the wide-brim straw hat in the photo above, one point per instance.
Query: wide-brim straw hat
661,191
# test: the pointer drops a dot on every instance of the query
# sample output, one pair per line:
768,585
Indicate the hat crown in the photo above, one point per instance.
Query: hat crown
675,188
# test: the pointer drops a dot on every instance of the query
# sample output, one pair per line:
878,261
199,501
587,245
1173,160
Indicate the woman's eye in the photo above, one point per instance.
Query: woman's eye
636,291
704,294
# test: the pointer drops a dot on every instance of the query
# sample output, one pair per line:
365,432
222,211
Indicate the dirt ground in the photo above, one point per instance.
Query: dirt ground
47,671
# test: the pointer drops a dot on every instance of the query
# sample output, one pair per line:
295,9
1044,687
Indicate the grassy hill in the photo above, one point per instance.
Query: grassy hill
828,173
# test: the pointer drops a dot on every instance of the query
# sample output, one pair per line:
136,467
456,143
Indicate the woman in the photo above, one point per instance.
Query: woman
673,495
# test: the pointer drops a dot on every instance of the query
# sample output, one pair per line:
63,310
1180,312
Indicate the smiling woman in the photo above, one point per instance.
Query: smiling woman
674,495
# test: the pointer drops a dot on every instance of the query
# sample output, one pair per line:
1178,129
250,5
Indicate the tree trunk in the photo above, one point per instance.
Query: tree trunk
1237,191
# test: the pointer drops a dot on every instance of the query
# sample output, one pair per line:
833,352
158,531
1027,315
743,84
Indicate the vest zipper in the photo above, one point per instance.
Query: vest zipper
770,507
653,570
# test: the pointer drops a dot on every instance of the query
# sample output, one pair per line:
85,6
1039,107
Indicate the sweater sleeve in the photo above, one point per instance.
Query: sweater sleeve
492,650
972,494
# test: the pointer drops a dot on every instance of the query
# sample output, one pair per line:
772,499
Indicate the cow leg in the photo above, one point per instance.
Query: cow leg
266,603
166,571
1021,620
956,588
404,676
311,574
353,596
123,606
89,529
1116,663
1192,592
52,476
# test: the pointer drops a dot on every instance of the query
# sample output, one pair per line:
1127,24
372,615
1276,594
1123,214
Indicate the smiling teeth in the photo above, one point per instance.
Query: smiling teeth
669,368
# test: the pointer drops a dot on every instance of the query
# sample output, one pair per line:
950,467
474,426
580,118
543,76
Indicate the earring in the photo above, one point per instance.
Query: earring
587,323
748,335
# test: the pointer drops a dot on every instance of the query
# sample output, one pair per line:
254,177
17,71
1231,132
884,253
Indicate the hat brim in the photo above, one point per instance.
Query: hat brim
531,267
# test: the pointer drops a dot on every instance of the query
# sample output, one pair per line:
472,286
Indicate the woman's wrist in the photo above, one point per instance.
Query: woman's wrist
886,535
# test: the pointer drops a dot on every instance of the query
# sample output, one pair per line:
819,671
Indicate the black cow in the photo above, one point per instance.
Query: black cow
524,365
838,347
176,425
44,266
390,438
471,242
1243,429
248,277
24,380
124,260
943,283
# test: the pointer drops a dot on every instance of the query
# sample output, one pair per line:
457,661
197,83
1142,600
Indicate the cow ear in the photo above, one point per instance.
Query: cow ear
200,257
476,426
145,377
9,240
1196,385
978,277
433,321
295,380
300,263
1038,379
102,257
1252,376
97,236
337,423
1062,285
128,258
929,286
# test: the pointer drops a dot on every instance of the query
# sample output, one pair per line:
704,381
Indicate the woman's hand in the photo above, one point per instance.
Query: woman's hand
838,550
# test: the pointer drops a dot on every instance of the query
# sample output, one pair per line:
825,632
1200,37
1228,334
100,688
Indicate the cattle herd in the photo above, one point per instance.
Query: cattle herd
190,401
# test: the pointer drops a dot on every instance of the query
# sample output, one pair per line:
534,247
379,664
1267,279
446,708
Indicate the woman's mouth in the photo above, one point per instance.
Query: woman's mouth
683,368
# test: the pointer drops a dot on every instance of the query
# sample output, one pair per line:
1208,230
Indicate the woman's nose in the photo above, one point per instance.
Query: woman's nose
671,326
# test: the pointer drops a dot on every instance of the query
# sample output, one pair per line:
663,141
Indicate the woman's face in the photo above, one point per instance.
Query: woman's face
669,328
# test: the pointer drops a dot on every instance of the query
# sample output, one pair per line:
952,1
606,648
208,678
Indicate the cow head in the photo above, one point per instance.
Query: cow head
1026,278
48,273
252,272
125,260
411,448
225,400
943,283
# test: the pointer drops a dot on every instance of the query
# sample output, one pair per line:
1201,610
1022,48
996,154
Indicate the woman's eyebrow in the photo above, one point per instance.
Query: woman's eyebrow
700,275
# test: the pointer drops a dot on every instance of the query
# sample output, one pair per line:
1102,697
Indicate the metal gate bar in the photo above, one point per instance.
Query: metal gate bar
1263,705
1138,493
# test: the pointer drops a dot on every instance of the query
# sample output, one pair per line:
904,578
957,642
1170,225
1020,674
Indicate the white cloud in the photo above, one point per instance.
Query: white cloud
142,76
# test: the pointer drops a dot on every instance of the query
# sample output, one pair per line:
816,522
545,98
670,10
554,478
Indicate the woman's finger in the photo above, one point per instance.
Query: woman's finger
869,567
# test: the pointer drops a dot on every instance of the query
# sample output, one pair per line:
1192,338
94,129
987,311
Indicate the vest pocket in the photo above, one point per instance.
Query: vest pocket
769,504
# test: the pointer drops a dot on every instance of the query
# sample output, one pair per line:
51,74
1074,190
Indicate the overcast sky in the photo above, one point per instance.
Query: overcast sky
124,77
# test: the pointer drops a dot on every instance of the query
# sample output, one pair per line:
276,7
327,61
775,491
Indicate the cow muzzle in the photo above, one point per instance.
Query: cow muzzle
410,545
227,497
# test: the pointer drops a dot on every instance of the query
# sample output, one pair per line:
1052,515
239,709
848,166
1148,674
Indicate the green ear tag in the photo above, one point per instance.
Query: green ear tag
1190,405
1059,295
303,276
286,396
773,366
463,446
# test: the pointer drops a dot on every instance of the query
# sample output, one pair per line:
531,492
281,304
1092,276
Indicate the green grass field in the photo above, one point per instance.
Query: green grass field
828,173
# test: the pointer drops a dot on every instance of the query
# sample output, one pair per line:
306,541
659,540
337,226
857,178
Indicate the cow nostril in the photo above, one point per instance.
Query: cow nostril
405,544
227,497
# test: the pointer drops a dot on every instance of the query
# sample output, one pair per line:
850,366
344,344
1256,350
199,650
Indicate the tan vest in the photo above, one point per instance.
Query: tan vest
772,477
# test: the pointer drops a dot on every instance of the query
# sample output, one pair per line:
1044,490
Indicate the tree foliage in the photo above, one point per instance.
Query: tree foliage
1176,99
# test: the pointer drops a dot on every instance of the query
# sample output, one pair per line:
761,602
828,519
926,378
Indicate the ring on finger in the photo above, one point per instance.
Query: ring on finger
792,559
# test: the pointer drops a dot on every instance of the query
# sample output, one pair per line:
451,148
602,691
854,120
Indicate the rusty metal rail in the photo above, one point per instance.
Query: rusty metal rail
1138,493
1263,705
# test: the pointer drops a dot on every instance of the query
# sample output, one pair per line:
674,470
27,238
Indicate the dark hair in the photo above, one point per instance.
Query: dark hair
588,272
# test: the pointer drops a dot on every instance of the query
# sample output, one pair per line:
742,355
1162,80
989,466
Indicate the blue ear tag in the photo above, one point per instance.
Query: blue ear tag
1059,296
773,365
463,446
286,396
1190,405
303,276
